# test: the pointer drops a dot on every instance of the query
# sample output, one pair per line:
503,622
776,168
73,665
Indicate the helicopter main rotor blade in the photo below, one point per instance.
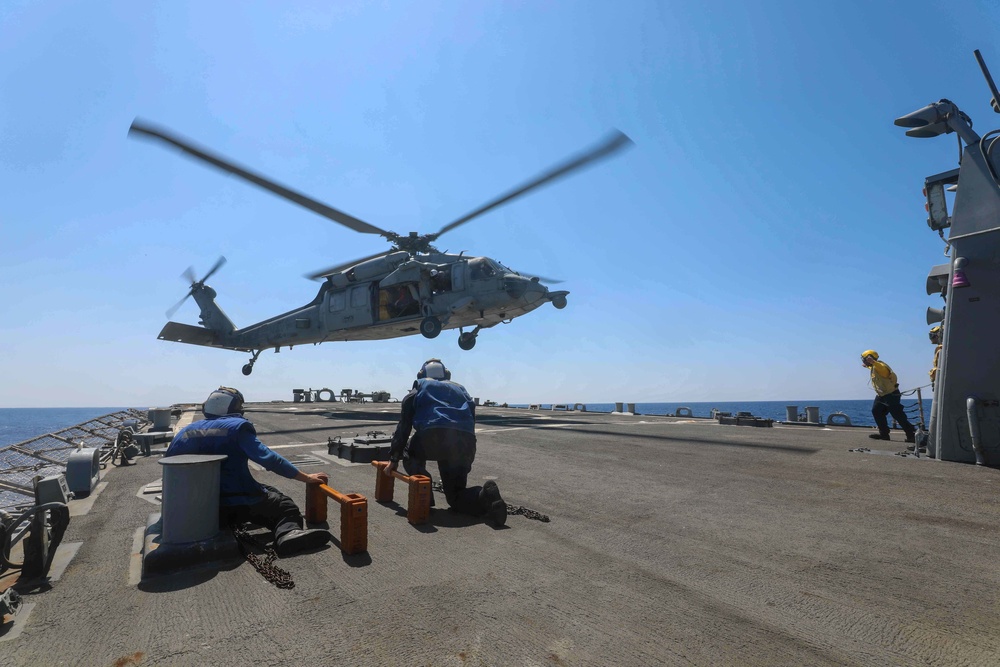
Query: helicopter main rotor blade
543,279
316,275
189,275
615,142
140,128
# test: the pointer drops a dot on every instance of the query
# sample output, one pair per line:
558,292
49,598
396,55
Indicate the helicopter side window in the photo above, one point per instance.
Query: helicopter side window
338,301
480,269
359,296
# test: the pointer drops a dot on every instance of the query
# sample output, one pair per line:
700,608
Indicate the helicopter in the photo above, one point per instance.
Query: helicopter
408,289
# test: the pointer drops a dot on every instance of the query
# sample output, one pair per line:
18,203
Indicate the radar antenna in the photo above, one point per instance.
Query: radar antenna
995,100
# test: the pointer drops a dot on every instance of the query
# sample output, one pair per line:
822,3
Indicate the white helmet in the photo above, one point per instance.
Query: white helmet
223,401
434,369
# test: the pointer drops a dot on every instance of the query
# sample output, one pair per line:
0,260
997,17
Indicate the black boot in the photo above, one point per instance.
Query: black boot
496,508
878,436
295,541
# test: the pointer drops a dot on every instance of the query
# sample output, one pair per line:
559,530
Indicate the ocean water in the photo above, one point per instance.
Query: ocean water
858,411
18,424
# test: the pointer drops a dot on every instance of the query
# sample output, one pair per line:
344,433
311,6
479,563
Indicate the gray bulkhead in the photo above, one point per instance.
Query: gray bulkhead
970,359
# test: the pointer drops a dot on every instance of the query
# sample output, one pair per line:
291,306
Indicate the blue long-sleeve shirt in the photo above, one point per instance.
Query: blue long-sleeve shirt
235,437
433,404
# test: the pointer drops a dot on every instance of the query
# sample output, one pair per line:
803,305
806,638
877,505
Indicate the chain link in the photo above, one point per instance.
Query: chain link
527,513
520,510
263,563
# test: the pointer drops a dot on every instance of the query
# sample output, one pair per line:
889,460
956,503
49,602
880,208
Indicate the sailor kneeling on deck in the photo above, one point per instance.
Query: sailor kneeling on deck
444,417
242,498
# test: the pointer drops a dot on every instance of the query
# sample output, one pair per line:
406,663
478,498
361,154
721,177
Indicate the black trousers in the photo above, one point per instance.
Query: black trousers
275,511
890,405
454,452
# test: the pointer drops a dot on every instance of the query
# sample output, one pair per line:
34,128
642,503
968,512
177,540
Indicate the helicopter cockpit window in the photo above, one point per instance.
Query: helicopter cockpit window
481,269
338,301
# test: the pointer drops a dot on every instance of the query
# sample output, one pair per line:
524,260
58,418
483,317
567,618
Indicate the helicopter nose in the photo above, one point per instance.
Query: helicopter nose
515,286
528,288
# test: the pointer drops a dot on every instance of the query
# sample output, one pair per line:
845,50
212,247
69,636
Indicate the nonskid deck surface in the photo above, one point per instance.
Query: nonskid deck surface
671,541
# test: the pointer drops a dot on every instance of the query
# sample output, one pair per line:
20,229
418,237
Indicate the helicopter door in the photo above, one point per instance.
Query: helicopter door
458,276
350,307
402,300
359,305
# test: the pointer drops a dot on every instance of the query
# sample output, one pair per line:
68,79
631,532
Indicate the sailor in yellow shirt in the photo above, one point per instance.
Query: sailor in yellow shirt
935,335
887,398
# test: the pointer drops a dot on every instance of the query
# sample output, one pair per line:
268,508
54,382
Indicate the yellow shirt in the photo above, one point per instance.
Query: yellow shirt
937,358
883,379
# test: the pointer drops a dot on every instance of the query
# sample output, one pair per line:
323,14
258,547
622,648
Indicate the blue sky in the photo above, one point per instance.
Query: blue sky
766,227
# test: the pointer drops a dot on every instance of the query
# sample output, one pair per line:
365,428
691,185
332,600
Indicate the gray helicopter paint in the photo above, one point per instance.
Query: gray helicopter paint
478,303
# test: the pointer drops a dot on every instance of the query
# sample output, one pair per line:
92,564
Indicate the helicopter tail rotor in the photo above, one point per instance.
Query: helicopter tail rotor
189,276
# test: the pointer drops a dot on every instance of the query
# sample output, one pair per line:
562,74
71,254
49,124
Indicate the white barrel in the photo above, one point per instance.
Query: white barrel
791,413
160,418
190,497
618,407
812,414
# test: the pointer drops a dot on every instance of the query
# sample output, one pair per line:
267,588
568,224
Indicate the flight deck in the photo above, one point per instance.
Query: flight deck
668,541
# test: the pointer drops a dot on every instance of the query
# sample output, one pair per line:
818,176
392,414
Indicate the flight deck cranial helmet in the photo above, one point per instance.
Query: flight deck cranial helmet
434,369
869,353
223,401
935,334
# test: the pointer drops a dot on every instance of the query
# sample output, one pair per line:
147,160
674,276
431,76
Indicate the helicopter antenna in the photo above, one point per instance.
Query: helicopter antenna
995,100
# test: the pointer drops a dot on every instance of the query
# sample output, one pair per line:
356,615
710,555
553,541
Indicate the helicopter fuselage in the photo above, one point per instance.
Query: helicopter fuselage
387,297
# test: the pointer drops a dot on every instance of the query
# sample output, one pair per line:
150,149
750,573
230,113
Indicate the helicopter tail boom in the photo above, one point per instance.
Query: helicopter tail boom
175,332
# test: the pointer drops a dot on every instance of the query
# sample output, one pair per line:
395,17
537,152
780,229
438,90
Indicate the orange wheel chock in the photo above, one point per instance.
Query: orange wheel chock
418,505
353,515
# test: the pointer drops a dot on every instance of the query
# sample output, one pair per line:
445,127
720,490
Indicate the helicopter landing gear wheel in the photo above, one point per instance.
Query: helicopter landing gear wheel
430,327
248,367
467,341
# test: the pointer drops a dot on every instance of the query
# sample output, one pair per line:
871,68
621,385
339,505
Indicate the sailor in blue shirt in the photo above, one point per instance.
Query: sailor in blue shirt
444,417
242,498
